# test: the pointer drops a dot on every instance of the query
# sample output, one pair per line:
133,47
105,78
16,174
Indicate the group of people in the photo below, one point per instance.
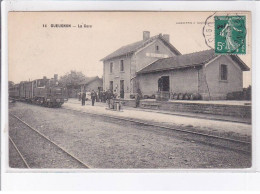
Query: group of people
106,96
83,97
102,96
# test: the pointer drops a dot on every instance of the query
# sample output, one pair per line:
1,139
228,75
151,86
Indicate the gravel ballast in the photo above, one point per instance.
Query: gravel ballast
37,151
106,143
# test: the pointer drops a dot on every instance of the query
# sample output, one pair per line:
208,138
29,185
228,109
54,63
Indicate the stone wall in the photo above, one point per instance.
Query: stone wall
117,75
181,81
241,111
215,88
94,85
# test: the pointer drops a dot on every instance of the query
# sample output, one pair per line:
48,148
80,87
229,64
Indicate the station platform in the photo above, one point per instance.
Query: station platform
237,111
229,118
211,124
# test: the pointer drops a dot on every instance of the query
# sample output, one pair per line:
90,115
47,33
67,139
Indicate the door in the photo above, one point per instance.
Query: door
122,91
164,84
111,86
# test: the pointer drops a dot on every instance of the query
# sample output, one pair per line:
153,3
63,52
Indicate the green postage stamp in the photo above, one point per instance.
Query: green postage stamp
230,34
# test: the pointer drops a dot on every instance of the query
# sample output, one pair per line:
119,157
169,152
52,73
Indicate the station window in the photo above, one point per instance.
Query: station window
122,65
223,72
111,67
157,48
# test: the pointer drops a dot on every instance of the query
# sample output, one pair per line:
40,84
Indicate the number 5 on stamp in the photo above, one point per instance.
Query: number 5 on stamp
230,34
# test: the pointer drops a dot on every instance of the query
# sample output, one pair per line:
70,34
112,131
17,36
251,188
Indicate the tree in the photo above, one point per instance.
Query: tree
73,79
10,84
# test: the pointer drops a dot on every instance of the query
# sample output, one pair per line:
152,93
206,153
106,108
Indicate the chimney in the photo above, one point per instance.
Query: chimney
146,35
56,77
166,37
44,77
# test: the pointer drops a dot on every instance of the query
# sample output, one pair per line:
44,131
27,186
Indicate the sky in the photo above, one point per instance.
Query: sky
36,49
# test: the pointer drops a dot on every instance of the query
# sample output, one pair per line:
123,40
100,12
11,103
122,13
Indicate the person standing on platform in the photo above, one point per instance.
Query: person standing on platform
79,95
83,98
109,97
93,97
138,97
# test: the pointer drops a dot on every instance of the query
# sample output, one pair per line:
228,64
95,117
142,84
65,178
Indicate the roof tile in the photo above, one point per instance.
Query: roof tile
187,60
131,48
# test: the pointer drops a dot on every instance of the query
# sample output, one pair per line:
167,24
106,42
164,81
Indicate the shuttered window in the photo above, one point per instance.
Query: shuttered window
111,67
223,72
122,68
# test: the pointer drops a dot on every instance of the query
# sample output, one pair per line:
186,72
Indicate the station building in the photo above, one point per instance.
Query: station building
94,83
154,65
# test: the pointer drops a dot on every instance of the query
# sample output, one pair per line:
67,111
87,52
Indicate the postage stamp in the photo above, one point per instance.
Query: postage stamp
230,34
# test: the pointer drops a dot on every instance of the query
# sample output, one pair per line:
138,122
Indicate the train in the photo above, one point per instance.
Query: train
45,92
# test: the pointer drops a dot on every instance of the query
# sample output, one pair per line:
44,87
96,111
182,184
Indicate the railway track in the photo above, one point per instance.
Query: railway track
18,151
213,140
47,139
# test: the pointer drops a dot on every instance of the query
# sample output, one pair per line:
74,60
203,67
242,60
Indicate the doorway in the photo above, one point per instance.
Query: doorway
122,91
164,84
111,86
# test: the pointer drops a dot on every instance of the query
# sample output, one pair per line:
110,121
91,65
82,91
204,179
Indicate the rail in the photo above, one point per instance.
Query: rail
246,143
48,139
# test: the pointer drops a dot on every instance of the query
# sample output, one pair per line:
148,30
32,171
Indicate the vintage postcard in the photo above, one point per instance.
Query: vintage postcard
130,90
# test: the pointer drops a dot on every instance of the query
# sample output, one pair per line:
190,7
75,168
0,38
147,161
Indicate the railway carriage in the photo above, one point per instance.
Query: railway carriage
14,91
46,92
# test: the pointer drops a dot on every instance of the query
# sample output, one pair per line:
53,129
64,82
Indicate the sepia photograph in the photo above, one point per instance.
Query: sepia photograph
130,90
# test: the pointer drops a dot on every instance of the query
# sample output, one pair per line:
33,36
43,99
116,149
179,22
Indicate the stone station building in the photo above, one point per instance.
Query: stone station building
154,65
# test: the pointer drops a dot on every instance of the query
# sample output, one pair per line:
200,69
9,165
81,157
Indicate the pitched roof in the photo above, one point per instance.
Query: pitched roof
187,60
89,80
131,48
242,65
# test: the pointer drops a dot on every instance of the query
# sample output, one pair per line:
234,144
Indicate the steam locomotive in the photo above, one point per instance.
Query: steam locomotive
45,92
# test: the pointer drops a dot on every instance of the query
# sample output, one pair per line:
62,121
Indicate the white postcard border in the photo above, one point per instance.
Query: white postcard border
134,179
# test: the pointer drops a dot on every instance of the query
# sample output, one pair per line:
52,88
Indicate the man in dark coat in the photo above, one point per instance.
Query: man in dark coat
109,95
138,97
83,98
93,97
102,96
